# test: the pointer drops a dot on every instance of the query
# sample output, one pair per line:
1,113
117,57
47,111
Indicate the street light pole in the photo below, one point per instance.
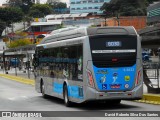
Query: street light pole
16,60
28,65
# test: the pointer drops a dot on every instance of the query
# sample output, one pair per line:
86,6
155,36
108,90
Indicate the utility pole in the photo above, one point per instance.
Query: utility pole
118,19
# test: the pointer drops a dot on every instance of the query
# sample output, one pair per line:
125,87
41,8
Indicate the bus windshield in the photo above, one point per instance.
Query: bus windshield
113,51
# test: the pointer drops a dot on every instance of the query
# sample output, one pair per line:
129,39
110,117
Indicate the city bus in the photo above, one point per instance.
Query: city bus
90,64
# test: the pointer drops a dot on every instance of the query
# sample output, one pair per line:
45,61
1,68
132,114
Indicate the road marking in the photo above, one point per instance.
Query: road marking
18,98
11,98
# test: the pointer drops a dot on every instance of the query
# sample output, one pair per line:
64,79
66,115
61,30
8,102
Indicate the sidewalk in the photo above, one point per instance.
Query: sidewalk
149,97
30,79
20,73
19,76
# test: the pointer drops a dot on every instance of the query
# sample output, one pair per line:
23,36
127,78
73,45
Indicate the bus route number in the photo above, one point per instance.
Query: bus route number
113,44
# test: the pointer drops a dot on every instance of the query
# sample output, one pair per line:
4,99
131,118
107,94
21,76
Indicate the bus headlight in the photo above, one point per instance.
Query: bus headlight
90,78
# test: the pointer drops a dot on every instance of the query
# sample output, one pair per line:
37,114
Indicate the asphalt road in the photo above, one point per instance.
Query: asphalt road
15,96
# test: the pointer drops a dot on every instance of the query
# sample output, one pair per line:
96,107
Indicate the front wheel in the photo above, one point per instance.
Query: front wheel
65,95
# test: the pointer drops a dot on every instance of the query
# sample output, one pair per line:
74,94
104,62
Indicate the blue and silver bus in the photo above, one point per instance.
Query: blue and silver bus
87,64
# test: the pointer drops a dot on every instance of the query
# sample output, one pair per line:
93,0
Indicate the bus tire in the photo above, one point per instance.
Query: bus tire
43,90
65,96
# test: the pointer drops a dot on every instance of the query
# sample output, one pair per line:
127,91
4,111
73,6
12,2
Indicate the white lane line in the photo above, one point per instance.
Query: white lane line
18,98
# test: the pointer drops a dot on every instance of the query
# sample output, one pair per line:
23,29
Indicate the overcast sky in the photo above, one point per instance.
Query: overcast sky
42,1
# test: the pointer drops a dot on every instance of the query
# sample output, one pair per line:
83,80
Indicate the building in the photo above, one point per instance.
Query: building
151,34
138,22
81,19
37,1
5,5
86,6
51,1
153,14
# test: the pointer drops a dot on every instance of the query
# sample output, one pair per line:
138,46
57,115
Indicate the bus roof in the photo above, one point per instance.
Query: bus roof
84,31
115,30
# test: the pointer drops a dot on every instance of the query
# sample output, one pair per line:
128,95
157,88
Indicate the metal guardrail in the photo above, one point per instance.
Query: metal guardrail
151,72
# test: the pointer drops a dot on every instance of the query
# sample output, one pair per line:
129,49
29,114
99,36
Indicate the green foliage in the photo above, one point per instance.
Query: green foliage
11,15
20,42
40,10
23,4
58,5
125,7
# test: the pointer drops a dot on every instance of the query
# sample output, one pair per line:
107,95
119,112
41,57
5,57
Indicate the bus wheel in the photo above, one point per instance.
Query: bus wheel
65,96
43,90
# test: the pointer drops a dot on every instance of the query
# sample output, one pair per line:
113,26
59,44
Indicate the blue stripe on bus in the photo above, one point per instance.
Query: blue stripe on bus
58,88
73,91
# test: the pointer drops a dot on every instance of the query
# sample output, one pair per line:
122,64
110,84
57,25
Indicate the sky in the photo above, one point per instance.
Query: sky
42,1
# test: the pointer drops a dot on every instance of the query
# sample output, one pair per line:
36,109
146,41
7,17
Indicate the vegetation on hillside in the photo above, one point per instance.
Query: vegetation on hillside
40,10
126,7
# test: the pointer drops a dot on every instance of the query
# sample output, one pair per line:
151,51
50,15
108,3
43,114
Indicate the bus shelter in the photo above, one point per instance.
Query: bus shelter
151,57
19,58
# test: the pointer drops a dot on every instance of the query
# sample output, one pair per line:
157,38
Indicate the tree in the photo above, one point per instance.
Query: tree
26,5
8,16
125,7
23,4
151,1
15,3
40,10
58,7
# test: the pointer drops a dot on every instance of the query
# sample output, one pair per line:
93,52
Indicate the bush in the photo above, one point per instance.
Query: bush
18,43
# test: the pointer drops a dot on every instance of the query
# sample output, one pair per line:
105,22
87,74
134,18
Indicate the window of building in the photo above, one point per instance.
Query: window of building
84,2
72,2
101,1
78,2
96,1
72,8
89,7
78,8
96,8
89,1
84,8
158,33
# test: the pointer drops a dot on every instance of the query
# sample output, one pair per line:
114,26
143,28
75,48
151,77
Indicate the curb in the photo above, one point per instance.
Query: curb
18,79
150,99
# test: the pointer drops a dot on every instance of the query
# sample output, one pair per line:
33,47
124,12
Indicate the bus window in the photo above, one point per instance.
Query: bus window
36,29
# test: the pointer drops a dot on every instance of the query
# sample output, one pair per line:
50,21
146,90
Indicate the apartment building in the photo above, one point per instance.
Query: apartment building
86,6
